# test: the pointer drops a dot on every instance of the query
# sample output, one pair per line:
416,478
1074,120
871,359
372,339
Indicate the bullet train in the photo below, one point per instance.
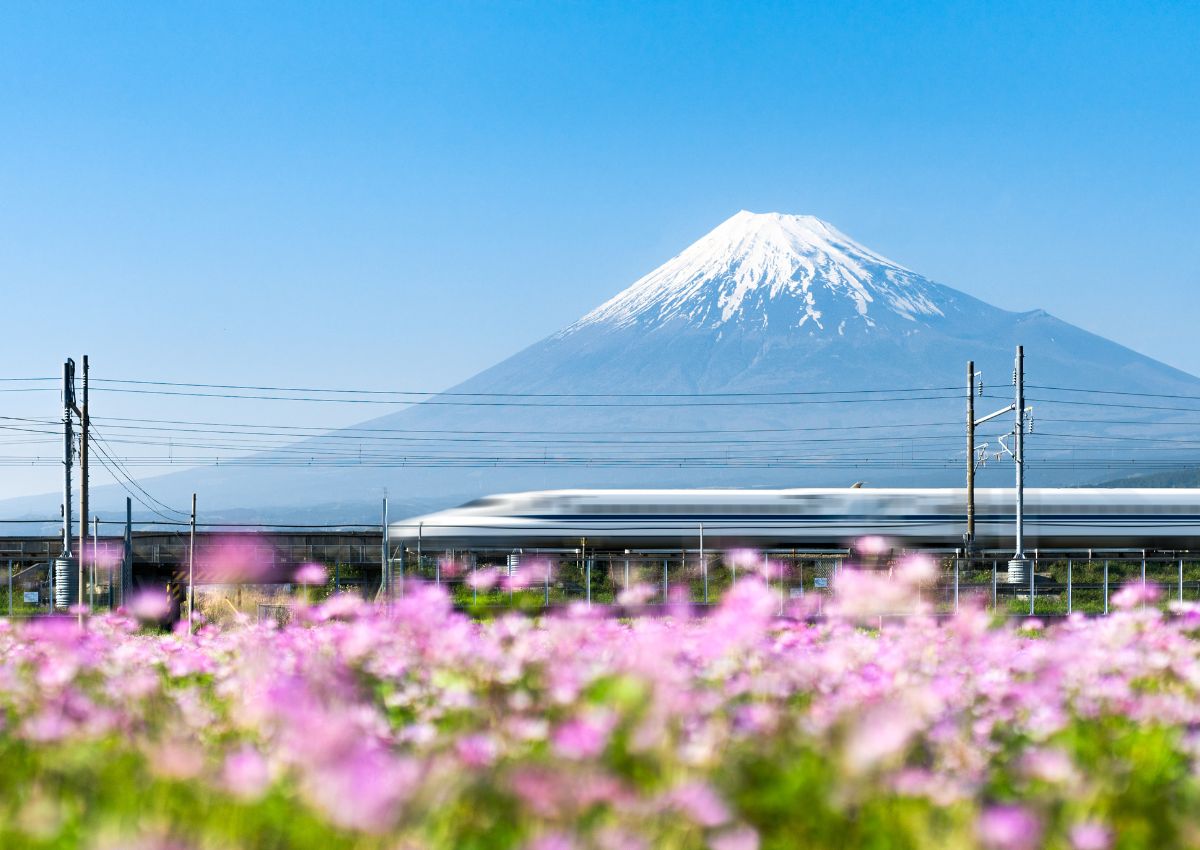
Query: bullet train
638,519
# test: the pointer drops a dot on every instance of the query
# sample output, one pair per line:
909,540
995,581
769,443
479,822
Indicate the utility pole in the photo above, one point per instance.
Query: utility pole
127,554
969,539
973,451
191,591
62,567
385,567
1019,565
83,479
95,560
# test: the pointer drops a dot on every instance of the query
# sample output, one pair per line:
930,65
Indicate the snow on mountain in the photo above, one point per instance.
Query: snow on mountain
796,269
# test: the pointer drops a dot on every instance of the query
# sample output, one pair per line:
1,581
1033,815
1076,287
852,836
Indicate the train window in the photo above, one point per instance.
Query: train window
485,502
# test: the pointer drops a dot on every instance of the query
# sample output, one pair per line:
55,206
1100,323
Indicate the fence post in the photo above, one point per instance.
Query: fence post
995,601
1106,585
1143,579
10,585
1032,581
1069,585
1180,579
781,587
956,563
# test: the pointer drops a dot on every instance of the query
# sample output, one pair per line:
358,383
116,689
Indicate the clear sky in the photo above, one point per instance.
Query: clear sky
396,195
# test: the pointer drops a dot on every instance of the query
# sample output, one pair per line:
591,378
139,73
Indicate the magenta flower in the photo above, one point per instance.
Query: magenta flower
581,738
484,579
740,838
701,803
1090,835
1134,595
311,573
872,545
150,605
1009,827
245,773
637,594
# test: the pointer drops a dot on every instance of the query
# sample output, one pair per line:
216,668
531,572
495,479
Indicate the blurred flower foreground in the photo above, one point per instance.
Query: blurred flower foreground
418,727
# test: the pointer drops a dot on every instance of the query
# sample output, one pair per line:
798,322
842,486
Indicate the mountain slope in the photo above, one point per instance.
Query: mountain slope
764,303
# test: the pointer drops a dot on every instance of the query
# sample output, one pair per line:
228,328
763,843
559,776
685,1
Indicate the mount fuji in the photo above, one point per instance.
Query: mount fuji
741,357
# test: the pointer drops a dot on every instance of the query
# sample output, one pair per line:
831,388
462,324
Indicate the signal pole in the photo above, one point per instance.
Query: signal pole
969,538
62,568
1019,564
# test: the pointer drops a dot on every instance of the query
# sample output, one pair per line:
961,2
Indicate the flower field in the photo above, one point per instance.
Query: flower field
418,727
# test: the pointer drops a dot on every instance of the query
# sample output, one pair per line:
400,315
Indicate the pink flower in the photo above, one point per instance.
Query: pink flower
476,751
1090,835
344,606
553,841
741,838
582,738
364,788
236,558
1134,595
1052,766
743,559
311,573
1009,827
245,774
637,594
150,605
872,545
917,569
484,579
177,760
700,803
881,733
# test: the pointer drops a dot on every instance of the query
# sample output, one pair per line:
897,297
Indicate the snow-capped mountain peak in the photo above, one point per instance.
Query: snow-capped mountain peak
771,269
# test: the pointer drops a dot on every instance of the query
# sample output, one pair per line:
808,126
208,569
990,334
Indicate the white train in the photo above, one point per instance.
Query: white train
620,519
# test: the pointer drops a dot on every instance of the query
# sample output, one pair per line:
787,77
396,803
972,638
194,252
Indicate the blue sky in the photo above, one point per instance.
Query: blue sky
398,195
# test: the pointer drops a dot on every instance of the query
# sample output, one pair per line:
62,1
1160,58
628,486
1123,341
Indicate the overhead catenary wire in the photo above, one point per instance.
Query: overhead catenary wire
202,442
104,456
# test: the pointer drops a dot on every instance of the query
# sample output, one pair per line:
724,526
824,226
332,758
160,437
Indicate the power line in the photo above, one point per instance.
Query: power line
100,446
437,401
1115,392
459,393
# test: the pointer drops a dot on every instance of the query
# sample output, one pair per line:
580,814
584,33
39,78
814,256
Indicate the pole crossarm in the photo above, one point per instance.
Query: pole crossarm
1009,409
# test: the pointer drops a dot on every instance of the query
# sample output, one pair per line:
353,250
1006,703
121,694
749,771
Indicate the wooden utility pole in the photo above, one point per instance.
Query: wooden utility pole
83,481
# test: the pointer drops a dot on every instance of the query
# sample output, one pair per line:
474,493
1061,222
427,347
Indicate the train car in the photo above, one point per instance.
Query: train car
638,519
